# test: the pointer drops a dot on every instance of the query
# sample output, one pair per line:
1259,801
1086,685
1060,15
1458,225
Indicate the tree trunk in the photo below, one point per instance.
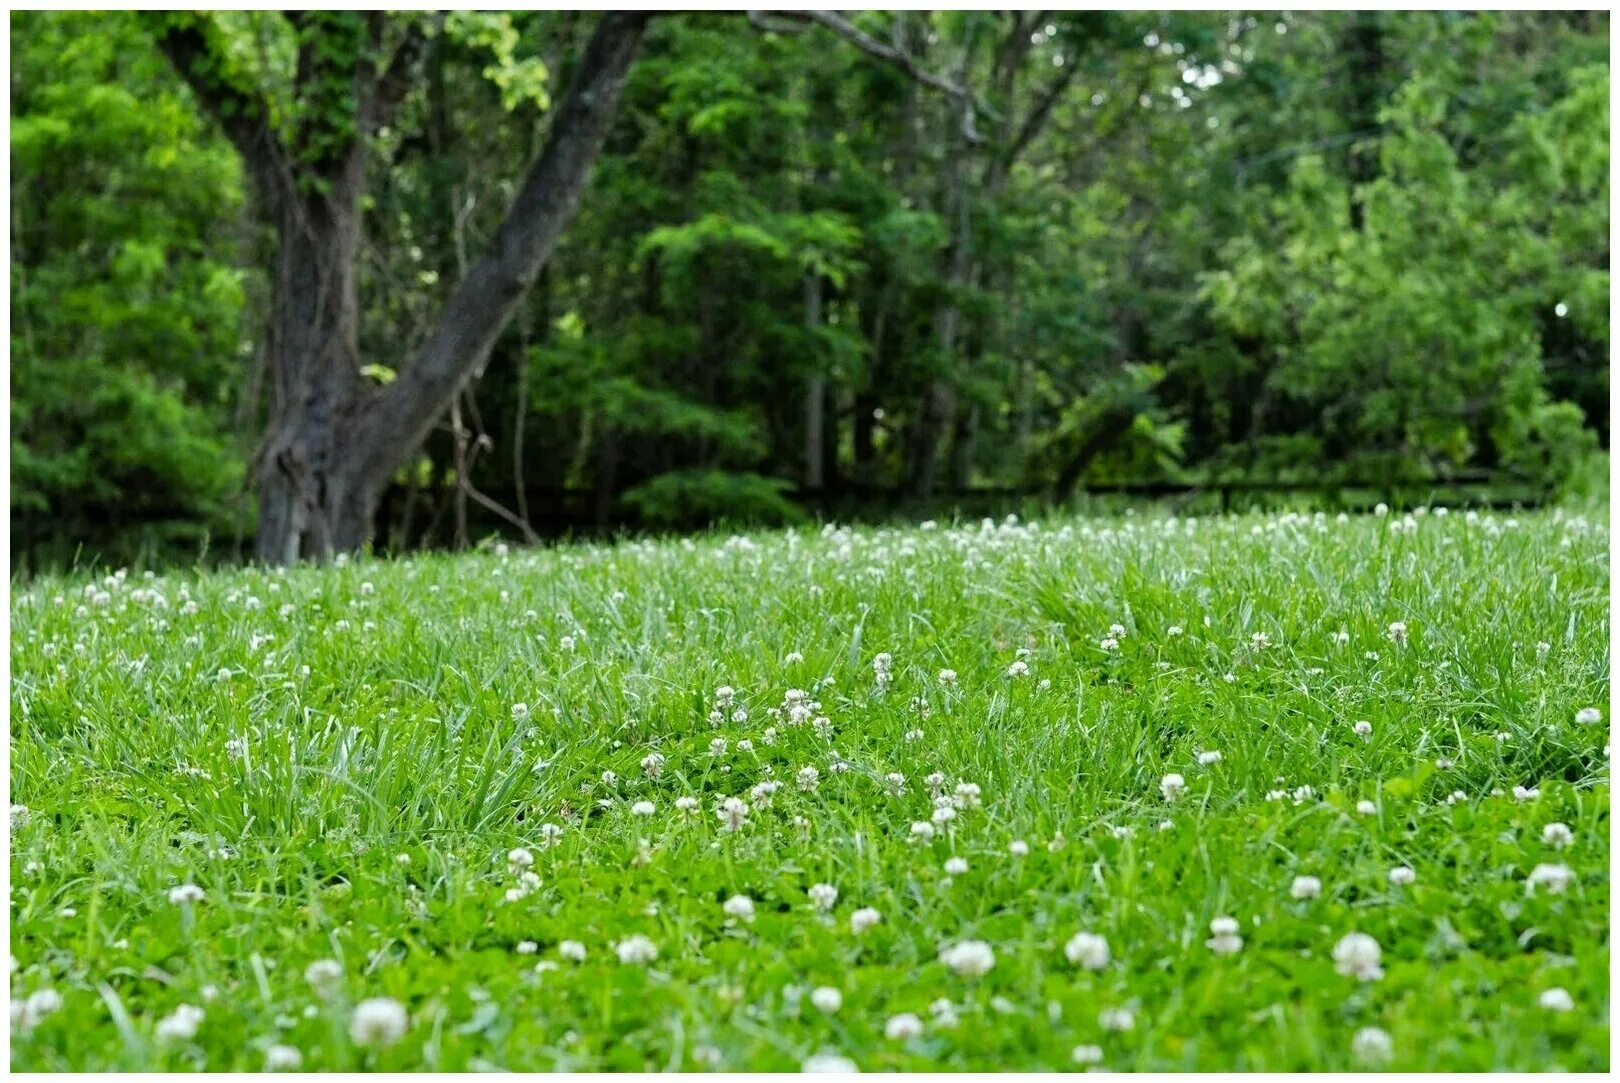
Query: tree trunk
333,443
815,397
938,408
311,501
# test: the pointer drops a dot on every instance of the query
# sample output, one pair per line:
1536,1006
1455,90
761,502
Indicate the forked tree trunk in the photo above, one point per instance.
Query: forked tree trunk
333,442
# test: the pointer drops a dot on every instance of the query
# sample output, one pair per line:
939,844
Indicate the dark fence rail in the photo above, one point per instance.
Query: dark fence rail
579,512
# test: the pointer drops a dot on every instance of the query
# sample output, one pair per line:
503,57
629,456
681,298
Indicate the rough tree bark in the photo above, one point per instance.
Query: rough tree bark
333,441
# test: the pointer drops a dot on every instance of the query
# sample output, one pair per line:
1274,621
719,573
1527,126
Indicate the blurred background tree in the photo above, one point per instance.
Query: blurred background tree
1318,247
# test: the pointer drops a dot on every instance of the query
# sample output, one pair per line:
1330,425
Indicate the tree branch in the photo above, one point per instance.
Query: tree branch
482,305
1036,119
889,54
240,111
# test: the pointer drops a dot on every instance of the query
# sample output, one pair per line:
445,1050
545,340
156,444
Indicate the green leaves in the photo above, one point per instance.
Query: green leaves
523,81
127,296
1419,331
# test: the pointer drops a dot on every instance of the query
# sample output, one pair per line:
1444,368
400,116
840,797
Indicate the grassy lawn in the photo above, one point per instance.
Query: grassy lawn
499,810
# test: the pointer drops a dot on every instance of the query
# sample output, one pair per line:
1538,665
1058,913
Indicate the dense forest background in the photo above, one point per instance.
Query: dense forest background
804,281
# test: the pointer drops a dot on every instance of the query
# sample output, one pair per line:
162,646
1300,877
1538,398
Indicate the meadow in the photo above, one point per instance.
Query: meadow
1285,792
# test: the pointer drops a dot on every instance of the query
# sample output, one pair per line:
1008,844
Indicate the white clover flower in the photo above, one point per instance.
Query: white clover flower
1525,793
29,1012
686,803
956,866
947,676
733,813
724,695
792,658
652,765
1401,875
1588,716
808,778
572,950
1305,887
186,894
380,1021
519,859
828,1062
1224,938
969,958
1087,1054
902,1027
968,795
520,711
740,907
643,808
1358,955
636,950
1363,729
283,1058
1557,1000
922,831
1108,644
1087,950
1259,641
826,999
1172,785
1557,835
1117,1019
717,747
1174,630
180,1025
944,814
21,816
1018,848
1555,878
324,975
1372,1046
527,947
1210,757
1019,668
1397,632
823,896
863,919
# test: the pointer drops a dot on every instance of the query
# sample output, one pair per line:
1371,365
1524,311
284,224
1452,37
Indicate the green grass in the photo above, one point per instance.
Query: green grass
332,756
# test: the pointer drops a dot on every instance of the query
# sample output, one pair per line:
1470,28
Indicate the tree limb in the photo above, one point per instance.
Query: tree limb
889,54
763,21
1038,114
242,112
479,310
